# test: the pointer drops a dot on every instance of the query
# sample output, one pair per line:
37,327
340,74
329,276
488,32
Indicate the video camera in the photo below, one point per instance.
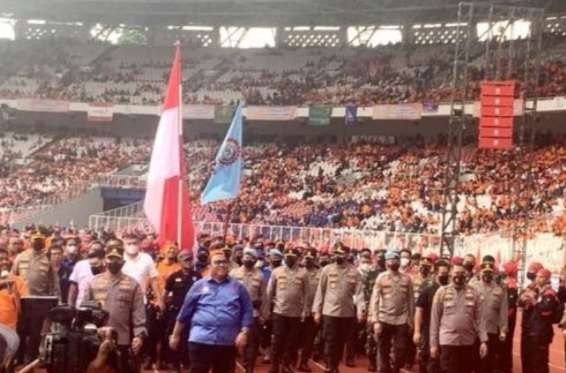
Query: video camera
73,341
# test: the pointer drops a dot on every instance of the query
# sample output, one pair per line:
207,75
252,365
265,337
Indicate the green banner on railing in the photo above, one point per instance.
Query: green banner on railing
223,114
320,115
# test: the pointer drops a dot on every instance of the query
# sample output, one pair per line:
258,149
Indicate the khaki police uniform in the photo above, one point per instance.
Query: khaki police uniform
35,268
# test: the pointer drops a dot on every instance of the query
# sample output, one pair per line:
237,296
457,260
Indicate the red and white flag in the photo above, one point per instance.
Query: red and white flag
167,171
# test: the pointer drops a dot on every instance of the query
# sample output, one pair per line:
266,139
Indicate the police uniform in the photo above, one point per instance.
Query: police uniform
370,340
339,286
287,292
122,297
392,305
494,316
177,286
309,328
41,280
455,325
420,281
541,309
255,284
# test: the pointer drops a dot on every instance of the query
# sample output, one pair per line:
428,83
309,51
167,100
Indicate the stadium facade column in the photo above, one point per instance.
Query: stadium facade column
407,35
20,29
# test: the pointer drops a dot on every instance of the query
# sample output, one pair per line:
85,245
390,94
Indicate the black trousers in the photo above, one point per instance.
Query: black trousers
309,330
182,353
426,363
221,359
336,331
537,351
356,341
456,359
490,363
285,340
250,352
392,343
127,362
505,349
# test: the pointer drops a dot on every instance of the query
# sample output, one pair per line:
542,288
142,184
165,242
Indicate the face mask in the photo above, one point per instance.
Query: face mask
309,263
339,260
443,280
132,249
275,263
324,263
38,245
72,249
393,266
405,262
96,270
487,277
365,267
259,263
469,266
531,276
425,270
249,264
202,258
238,260
381,262
115,267
290,261
458,280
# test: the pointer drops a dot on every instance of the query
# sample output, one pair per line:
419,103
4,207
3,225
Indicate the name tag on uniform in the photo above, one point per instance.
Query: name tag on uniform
178,279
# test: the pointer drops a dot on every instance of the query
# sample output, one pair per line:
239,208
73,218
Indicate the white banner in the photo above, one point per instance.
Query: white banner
271,113
547,249
52,106
100,112
398,112
198,111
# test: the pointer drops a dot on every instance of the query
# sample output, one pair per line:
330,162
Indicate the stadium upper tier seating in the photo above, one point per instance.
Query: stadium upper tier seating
133,74
395,186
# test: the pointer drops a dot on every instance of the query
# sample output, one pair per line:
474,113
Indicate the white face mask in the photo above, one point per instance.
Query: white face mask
72,249
132,249
365,267
405,262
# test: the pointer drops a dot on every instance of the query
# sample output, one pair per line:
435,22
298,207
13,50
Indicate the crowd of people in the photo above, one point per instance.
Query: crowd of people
390,185
278,76
286,303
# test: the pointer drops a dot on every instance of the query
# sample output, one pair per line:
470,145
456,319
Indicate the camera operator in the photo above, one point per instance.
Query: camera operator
121,296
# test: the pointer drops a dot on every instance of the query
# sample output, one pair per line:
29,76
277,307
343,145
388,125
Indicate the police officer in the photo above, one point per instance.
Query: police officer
287,292
456,323
541,309
339,287
122,297
391,311
35,268
494,315
368,284
508,279
527,292
254,282
177,286
309,328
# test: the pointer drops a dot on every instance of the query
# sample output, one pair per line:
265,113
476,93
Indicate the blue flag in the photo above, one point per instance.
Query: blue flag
224,183
351,116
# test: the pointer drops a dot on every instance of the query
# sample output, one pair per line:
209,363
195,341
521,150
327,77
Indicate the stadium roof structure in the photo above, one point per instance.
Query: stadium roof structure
249,12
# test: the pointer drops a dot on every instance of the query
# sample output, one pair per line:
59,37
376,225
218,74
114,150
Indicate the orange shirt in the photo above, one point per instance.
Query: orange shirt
8,308
165,270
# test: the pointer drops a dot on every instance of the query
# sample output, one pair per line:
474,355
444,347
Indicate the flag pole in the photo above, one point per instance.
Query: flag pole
181,150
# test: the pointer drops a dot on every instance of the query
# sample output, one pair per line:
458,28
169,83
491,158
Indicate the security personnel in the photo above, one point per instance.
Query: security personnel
456,323
494,315
121,296
287,292
508,279
526,293
254,282
35,268
309,328
177,286
391,313
339,287
541,309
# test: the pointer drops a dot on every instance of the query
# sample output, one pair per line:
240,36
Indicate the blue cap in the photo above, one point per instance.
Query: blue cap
392,254
250,251
275,252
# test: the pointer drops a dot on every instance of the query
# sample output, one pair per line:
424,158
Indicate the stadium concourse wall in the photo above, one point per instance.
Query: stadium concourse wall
141,121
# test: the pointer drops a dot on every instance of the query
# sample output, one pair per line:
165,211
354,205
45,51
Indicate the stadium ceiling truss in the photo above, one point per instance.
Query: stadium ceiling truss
497,57
198,22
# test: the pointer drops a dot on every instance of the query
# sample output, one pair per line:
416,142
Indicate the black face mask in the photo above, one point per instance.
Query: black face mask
425,270
381,262
339,260
394,266
531,276
324,263
202,258
487,277
469,266
238,260
290,261
309,263
459,280
38,245
443,280
248,264
115,267
96,270
275,263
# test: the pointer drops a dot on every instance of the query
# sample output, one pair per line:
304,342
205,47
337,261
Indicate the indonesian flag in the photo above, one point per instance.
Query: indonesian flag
167,171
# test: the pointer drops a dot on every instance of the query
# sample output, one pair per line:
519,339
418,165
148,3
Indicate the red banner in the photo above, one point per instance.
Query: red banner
504,122
498,88
495,143
496,132
496,111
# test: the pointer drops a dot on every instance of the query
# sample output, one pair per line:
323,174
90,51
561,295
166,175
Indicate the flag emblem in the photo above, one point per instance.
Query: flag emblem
231,152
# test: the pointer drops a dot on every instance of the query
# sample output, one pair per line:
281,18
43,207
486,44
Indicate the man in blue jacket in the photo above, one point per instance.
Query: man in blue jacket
219,311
